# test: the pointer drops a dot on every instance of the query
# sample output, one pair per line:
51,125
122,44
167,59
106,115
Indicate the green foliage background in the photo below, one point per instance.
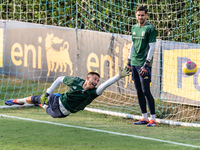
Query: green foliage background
175,20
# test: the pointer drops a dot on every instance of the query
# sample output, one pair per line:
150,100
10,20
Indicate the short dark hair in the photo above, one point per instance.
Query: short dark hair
92,73
142,8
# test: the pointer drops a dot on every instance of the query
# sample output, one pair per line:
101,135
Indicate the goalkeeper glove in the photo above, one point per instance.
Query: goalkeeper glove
129,64
144,69
44,98
124,72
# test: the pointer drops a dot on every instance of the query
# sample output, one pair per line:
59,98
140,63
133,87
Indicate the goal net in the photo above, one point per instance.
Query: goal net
41,41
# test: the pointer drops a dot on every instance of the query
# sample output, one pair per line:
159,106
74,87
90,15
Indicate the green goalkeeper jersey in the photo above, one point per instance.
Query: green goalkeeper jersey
76,98
141,37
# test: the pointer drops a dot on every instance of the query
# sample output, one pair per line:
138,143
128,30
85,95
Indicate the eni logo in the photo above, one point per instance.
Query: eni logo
99,62
56,58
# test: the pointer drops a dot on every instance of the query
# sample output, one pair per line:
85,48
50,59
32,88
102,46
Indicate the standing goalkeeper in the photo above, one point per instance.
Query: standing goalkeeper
80,94
140,62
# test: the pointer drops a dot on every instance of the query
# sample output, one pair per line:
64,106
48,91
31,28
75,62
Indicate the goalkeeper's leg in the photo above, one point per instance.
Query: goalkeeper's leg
53,108
148,95
140,94
27,100
20,101
151,103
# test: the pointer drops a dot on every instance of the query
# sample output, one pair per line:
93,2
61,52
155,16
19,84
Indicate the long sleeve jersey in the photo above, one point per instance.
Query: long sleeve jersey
77,98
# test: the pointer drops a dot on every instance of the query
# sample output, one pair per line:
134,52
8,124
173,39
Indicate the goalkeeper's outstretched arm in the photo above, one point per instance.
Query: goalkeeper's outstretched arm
122,73
55,84
106,84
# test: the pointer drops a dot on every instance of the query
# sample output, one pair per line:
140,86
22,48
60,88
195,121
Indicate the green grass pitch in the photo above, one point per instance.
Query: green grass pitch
24,134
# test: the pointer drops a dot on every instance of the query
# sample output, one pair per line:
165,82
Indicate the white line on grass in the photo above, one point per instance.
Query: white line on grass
97,130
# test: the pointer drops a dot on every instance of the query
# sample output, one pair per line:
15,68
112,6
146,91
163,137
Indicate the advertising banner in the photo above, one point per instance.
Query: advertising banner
42,52
39,52
177,86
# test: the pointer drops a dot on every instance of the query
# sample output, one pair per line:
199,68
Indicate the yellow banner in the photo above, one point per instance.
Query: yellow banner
174,80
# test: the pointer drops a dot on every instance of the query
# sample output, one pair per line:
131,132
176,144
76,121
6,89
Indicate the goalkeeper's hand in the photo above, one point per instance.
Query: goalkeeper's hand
44,98
124,72
144,69
129,64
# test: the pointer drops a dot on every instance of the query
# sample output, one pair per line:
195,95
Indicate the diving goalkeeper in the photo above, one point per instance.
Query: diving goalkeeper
80,94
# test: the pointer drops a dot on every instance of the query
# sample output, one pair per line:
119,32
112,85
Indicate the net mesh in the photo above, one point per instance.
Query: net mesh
175,20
